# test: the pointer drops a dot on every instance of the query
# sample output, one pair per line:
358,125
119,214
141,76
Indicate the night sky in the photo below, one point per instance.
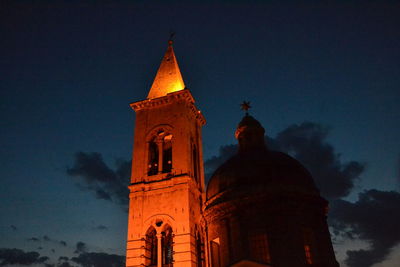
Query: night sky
323,78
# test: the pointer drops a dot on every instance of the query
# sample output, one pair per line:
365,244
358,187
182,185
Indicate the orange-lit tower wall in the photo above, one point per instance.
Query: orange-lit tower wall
167,180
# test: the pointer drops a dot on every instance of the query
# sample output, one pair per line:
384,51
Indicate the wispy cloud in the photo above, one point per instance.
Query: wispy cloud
374,218
94,175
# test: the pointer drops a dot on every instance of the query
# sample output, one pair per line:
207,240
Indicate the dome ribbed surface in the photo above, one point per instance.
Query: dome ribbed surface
261,171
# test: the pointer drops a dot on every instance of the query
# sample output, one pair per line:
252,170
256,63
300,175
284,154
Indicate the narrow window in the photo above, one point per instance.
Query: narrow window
307,250
151,247
195,159
215,255
153,158
167,153
199,251
167,247
260,248
308,245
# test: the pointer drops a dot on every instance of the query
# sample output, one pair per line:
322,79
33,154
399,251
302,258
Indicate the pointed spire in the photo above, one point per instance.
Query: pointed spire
168,78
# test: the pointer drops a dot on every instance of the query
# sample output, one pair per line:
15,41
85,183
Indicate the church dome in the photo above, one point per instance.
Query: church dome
255,169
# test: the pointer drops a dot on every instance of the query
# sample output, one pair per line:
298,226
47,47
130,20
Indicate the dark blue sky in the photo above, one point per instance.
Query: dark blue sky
68,71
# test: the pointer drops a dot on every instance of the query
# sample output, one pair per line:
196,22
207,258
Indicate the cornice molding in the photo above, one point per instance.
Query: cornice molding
169,98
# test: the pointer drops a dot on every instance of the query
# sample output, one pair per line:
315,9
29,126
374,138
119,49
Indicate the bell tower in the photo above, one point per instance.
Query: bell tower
167,180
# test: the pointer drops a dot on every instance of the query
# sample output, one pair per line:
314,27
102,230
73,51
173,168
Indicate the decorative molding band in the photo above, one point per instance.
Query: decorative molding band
165,100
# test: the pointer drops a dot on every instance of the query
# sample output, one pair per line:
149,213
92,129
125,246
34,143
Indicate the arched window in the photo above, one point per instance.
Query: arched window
167,247
160,153
259,248
151,247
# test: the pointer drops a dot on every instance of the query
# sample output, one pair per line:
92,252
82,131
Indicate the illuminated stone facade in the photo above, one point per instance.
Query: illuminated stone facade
261,207
167,181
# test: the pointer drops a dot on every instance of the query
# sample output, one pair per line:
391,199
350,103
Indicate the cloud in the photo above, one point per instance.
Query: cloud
84,259
10,256
374,218
63,262
307,143
80,247
101,194
94,259
94,175
99,260
225,152
46,238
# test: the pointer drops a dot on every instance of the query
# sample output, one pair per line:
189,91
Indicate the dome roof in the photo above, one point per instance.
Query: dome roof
256,169
263,170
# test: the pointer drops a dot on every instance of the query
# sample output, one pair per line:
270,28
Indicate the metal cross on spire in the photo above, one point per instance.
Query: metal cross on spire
245,106
171,37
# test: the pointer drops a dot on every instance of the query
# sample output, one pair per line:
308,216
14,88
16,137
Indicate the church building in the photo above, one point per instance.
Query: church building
260,208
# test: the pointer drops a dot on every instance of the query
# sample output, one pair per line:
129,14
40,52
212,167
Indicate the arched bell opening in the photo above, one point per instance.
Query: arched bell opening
159,152
153,157
167,153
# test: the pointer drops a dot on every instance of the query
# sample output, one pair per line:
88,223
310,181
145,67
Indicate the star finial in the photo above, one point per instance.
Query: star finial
245,106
